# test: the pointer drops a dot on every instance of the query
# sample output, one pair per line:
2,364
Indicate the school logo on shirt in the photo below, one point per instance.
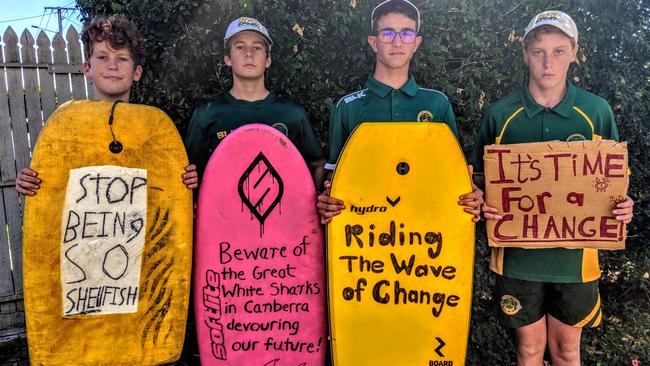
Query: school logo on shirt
355,96
510,305
576,137
222,134
282,128
425,116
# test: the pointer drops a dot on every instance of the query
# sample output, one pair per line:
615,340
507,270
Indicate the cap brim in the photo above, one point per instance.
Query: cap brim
268,40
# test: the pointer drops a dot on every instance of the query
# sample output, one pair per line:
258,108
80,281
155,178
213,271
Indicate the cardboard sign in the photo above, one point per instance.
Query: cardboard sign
103,231
556,194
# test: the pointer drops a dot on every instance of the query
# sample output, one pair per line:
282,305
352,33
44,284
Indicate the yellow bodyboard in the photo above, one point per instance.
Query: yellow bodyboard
400,256
71,321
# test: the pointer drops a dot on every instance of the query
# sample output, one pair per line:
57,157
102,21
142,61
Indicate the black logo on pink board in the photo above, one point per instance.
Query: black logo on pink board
260,189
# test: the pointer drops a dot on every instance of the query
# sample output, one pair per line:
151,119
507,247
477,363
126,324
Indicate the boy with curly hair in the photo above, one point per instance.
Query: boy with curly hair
114,52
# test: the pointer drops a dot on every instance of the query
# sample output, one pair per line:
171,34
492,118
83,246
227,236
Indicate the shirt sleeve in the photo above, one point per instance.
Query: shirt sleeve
610,131
450,120
484,136
196,143
337,137
310,148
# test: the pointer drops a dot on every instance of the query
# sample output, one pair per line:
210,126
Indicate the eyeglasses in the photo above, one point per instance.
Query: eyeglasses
388,35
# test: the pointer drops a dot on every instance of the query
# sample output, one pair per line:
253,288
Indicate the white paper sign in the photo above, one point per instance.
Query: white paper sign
103,230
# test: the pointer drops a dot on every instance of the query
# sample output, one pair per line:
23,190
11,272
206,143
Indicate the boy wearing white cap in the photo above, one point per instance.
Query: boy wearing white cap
391,94
547,295
248,53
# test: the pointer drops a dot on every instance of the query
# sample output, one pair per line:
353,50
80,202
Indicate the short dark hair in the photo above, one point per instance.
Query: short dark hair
532,36
397,7
118,31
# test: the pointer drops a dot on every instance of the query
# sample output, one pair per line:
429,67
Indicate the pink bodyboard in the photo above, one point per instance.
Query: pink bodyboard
259,277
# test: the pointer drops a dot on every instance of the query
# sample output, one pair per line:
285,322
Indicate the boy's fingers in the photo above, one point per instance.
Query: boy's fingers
29,186
627,203
475,203
28,171
24,191
325,207
489,216
28,178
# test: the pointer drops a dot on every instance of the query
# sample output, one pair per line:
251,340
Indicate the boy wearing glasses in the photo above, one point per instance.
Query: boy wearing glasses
391,94
248,54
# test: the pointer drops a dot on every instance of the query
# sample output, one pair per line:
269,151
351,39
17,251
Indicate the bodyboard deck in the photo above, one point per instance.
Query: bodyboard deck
107,239
400,256
259,292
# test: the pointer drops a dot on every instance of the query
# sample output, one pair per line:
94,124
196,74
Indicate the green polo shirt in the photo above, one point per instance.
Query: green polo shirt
213,121
517,118
378,102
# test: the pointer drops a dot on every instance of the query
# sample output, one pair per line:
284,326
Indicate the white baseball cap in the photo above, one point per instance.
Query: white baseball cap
247,24
385,7
557,19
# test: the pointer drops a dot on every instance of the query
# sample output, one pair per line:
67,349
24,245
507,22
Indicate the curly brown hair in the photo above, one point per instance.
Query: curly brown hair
118,31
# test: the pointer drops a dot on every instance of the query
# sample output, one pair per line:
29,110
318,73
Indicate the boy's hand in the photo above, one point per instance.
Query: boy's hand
27,182
473,200
191,177
490,213
328,207
624,211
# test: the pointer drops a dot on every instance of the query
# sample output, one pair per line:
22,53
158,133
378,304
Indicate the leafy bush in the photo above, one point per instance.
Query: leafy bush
472,53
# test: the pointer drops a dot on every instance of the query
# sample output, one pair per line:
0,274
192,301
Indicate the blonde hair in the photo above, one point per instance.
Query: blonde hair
533,35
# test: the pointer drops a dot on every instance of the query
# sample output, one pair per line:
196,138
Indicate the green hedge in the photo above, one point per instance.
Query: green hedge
472,53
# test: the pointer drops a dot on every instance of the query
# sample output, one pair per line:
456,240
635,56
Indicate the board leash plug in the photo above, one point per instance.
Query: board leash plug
402,168
115,146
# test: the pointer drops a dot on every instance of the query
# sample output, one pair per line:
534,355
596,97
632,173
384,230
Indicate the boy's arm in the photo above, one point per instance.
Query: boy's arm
473,200
470,201
312,151
610,131
624,211
338,134
317,169
450,119
485,136
196,145
328,207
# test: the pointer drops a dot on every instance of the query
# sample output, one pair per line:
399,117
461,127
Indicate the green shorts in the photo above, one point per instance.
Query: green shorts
520,303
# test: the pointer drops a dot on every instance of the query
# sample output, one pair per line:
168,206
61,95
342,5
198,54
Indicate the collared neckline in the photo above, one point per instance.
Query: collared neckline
563,108
256,103
380,89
